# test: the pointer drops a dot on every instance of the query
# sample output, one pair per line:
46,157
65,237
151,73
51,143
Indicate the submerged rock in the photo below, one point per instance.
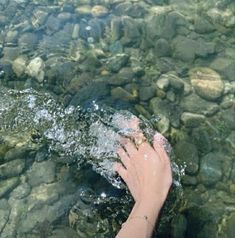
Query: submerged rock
6,186
36,69
207,83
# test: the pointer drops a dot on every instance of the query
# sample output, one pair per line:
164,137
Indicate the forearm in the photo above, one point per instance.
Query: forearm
141,221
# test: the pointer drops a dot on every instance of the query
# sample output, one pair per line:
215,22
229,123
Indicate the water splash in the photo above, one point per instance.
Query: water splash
91,135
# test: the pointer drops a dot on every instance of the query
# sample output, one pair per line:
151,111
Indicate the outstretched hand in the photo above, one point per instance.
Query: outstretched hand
145,169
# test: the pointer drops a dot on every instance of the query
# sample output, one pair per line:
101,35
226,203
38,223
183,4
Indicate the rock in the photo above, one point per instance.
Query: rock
230,226
196,104
19,66
116,29
192,120
202,140
131,33
176,82
135,10
39,18
12,168
162,48
146,93
47,213
163,82
163,125
232,176
170,96
52,24
43,172
178,226
189,180
11,37
164,108
36,69
28,42
187,155
116,62
207,83
22,191
11,53
187,49
225,66
230,141
116,47
124,76
19,152
4,213
99,11
211,168
84,10
8,185
122,94
202,25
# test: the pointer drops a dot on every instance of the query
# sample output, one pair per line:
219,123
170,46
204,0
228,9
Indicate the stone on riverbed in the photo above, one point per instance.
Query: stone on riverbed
43,172
192,120
36,69
207,83
7,185
12,168
211,168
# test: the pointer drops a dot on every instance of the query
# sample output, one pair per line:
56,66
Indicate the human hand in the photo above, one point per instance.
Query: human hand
145,169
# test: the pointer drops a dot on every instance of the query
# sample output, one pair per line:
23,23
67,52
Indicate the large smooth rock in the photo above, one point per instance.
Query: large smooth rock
43,172
192,120
36,69
19,66
12,168
99,11
187,155
225,66
116,62
7,185
207,83
211,168
196,104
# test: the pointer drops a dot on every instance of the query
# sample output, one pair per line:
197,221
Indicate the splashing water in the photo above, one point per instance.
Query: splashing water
89,135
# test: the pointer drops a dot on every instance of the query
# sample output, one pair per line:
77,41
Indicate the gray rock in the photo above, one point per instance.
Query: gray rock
28,42
189,180
191,119
7,185
135,10
116,62
43,172
122,94
163,125
116,29
131,33
48,213
187,154
83,11
4,213
225,66
178,226
207,83
11,53
230,141
176,82
12,168
196,104
146,93
162,48
165,108
39,18
211,168
52,24
230,226
202,25
124,76
22,191
170,95
16,153
11,37
116,47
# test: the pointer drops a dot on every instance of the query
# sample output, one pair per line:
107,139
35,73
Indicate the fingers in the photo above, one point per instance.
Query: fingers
130,148
121,171
158,144
124,157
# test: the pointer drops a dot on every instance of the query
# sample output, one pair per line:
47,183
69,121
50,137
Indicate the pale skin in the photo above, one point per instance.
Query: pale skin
147,172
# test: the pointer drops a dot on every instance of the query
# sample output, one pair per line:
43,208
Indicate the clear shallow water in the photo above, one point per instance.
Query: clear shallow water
78,68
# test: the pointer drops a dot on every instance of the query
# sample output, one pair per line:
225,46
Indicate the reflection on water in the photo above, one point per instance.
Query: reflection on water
78,68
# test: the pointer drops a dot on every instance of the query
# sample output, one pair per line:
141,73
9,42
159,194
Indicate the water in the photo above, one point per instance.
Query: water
71,72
